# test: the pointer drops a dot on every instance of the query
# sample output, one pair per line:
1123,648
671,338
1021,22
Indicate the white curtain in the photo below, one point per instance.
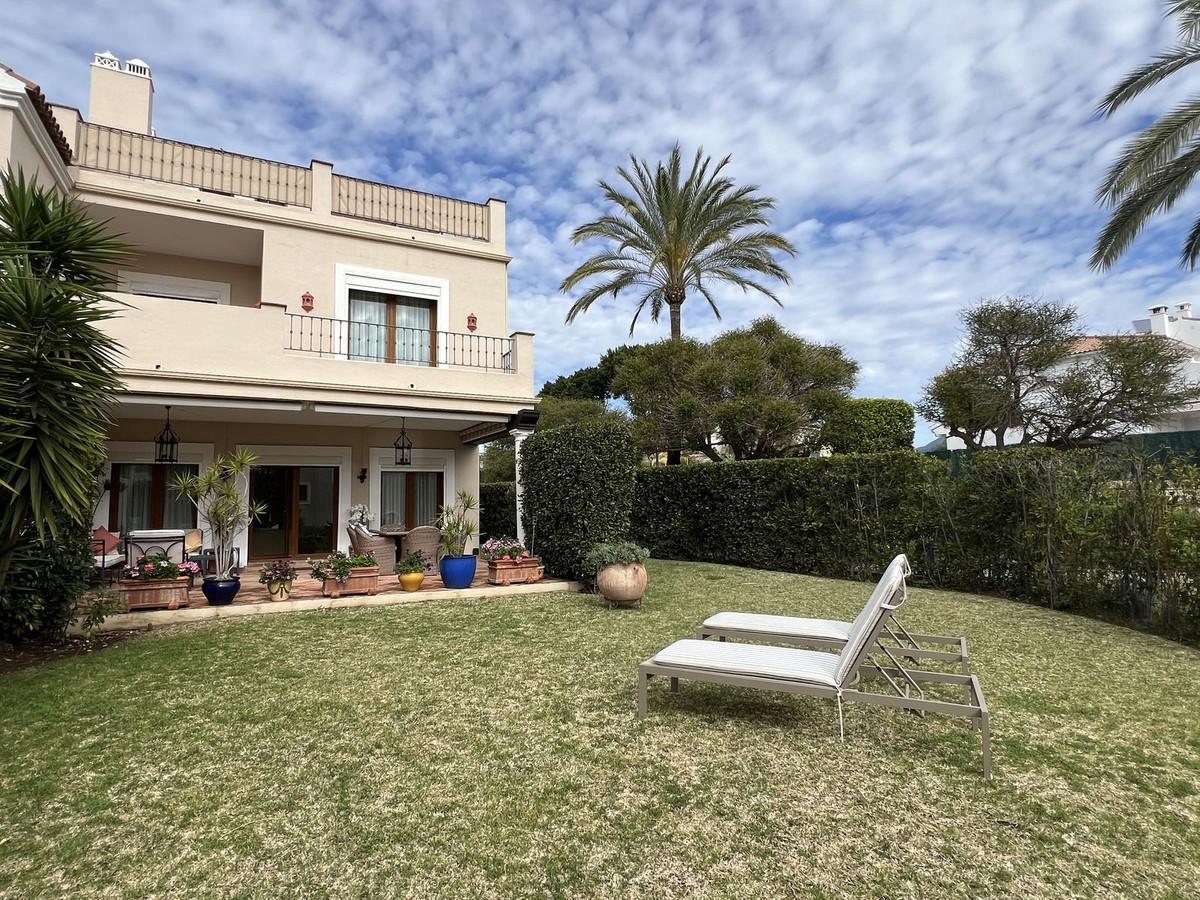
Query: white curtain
133,504
425,498
413,320
368,326
391,499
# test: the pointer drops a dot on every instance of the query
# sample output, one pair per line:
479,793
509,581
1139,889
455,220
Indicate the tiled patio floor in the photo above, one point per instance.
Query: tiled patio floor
253,599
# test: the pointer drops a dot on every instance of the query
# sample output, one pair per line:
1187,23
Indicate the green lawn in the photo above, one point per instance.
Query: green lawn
489,748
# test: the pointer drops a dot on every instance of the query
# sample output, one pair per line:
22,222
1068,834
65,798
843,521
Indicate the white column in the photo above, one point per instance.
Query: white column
518,439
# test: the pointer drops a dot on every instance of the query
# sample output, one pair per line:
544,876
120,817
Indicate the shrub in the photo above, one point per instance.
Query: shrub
578,491
844,516
498,508
621,553
1110,535
862,425
45,581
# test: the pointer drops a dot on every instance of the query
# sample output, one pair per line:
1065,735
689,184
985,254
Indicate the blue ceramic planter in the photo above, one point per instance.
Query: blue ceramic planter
457,571
220,592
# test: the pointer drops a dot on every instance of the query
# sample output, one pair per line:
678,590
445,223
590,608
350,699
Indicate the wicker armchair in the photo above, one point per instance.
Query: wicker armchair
383,548
427,539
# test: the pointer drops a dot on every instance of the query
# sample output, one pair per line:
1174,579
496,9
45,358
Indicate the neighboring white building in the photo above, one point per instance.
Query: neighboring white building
1179,326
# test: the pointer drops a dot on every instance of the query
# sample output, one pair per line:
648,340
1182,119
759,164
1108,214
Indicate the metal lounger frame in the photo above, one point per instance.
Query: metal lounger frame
974,708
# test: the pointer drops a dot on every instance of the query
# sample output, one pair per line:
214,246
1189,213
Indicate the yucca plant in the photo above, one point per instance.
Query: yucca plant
672,234
58,378
1158,166
219,495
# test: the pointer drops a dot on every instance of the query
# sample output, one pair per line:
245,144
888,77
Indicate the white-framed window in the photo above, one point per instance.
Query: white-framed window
173,287
390,316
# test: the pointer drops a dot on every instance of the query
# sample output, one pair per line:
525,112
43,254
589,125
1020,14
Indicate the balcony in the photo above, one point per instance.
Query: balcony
368,342
102,148
266,352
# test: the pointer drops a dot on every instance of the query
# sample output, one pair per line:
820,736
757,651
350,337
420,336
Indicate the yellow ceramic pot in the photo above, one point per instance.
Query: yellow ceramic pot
411,581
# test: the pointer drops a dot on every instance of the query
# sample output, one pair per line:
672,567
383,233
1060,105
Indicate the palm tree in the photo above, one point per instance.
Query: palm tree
58,376
672,234
1156,167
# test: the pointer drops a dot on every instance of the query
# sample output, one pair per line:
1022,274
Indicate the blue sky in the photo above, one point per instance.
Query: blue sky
923,153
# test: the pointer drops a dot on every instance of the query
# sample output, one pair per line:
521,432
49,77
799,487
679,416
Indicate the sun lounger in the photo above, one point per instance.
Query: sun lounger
832,633
824,674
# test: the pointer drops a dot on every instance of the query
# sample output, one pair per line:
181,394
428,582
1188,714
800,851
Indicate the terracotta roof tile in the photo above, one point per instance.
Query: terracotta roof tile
42,105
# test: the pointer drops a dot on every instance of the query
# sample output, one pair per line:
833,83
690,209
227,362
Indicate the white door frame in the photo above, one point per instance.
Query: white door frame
287,455
143,452
383,459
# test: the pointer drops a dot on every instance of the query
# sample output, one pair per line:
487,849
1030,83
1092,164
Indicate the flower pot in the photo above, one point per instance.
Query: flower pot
622,583
457,571
220,591
515,571
154,593
280,590
412,581
362,580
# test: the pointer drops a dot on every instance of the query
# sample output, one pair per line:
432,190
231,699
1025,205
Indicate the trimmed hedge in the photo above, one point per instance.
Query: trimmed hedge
578,491
44,583
1115,536
498,509
868,425
843,516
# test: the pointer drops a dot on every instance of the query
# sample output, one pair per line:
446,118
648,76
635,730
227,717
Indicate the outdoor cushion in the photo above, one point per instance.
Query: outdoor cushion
109,540
788,663
109,562
826,629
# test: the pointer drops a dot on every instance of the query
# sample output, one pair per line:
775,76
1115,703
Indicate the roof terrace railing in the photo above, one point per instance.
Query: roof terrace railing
391,205
145,156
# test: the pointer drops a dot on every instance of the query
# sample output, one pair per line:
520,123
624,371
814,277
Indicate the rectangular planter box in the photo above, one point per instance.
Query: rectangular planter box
154,593
512,571
362,580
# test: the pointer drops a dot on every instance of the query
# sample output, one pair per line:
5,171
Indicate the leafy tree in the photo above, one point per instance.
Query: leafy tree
592,382
671,234
58,375
1020,379
752,393
1157,167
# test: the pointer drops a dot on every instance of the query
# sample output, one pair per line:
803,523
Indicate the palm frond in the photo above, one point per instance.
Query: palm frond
1151,150
1141,79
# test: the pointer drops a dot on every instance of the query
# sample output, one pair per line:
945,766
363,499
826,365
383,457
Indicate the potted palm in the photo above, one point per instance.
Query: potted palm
457,527
219,494
618,571
411,569
278,576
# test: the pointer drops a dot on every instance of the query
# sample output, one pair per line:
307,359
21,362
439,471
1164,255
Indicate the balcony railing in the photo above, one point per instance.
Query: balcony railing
368,342
376,202
144,156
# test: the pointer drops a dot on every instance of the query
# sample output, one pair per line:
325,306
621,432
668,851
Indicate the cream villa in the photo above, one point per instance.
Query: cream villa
316,319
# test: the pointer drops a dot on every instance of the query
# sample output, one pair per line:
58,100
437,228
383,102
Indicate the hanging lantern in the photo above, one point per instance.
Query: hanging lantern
166,444
403,447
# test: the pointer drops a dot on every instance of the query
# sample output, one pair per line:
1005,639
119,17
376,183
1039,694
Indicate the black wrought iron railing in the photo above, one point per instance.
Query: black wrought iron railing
369,342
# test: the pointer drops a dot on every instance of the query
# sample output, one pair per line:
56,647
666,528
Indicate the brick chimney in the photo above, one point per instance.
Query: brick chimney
122,96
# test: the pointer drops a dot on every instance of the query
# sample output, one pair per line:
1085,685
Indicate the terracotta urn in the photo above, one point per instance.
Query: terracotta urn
622,582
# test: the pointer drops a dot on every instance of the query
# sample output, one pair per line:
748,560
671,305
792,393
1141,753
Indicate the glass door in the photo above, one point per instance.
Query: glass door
388,328
299,516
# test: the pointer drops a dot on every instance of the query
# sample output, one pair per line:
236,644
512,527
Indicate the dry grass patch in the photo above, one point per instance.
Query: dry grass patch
488,748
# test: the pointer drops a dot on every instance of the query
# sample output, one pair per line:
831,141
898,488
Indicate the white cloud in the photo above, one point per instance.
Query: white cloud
921,156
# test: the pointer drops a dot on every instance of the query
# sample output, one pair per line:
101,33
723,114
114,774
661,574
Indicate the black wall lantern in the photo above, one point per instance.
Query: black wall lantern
166,444
403,447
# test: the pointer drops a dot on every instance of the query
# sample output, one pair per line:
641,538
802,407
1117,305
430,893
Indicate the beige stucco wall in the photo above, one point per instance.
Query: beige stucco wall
244,281
121,100
19,151
302,248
